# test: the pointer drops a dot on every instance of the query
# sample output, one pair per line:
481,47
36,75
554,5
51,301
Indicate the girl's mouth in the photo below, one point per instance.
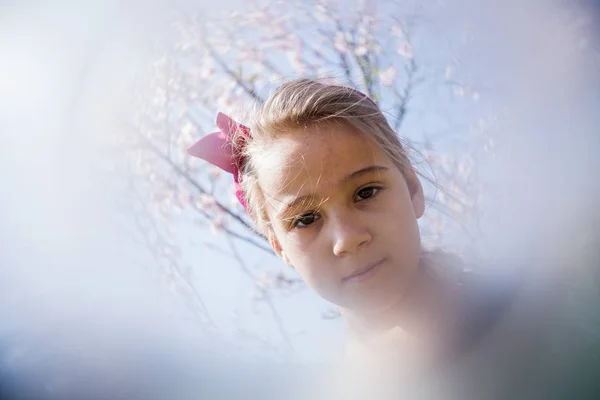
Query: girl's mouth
363,273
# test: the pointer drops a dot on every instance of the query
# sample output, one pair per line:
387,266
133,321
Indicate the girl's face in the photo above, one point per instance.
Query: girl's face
343,216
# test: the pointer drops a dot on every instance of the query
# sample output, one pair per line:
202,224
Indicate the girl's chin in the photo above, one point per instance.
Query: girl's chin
377,297
370,303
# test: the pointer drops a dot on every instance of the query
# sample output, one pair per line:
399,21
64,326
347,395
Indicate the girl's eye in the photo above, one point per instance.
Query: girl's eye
366,193
305,220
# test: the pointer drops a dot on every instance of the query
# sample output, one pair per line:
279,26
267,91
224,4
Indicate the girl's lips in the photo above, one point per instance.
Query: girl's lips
363,273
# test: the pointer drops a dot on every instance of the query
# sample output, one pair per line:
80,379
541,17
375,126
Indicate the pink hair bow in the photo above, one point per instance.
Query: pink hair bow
217,149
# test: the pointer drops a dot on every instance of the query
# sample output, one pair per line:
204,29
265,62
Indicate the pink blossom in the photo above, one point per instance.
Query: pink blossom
368,20
184,198
448,72
205,202
188,134
206,69
217,225
396,30
320,13
387,76
214,173
360,50
339,42
405,50
459,90
489,145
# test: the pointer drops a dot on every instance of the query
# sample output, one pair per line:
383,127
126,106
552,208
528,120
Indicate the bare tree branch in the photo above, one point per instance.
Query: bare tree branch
405,96
250,91
345,64
266,297
237,235
154,250
360,68
180,172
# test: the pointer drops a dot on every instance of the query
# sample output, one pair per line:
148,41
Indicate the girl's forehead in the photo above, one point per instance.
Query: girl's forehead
302,158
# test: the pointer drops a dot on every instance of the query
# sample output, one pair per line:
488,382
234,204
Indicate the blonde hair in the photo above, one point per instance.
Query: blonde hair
303,103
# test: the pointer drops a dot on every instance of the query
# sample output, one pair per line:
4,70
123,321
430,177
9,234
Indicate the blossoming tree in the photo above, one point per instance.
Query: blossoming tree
231,61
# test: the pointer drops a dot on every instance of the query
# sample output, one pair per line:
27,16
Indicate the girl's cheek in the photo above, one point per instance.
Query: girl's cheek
297,243
299,236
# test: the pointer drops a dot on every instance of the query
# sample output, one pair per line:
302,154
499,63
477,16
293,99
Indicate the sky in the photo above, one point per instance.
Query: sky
67,264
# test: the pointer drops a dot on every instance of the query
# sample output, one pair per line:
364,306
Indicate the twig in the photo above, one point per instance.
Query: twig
235,234
175,268
188,178
411,69
267,298
250,91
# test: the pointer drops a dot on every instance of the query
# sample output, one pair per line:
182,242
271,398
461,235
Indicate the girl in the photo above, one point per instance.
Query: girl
328,182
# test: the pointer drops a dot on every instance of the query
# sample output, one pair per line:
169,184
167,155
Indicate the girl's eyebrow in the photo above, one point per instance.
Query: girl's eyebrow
364,171
293,203
353,175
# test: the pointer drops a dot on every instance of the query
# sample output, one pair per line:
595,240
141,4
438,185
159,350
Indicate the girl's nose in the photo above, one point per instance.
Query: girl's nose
349,236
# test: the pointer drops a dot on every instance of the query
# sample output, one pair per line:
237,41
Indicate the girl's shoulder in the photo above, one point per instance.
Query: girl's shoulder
536,318
485,295
486,300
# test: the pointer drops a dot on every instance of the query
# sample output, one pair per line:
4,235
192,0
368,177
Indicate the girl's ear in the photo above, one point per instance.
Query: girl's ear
416,193
276,245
